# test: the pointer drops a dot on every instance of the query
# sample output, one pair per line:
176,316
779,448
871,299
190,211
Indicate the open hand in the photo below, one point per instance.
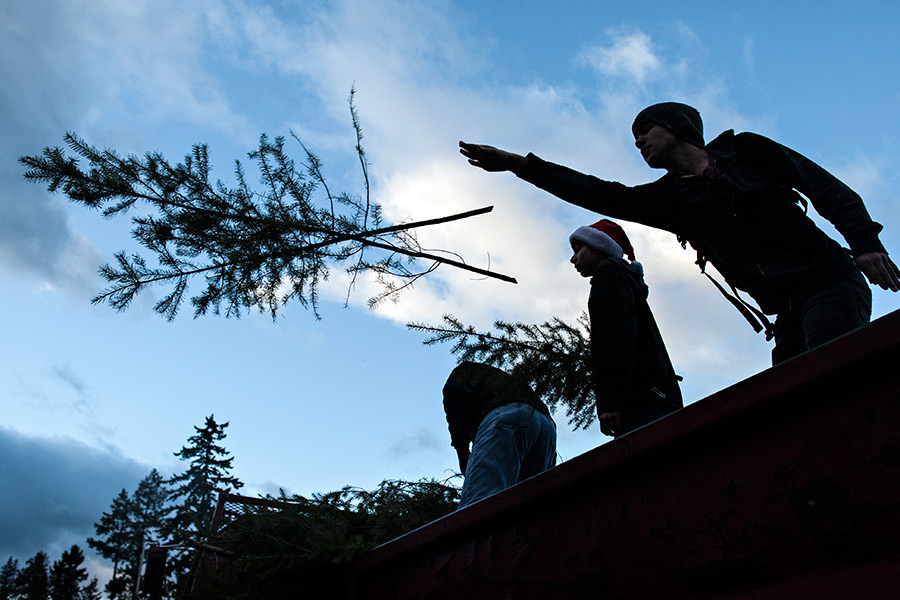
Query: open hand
880,270
491,159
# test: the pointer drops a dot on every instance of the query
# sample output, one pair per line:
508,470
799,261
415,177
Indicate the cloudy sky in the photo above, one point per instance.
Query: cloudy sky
93,399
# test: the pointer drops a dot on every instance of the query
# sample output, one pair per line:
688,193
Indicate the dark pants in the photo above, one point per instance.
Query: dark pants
822,316
641,414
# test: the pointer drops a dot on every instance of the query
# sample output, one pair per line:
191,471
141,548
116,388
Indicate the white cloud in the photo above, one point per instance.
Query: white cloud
163,75
874,180
631,55
407,61
414,124
867,176
393,51
516,239
749,54
90,66
688,36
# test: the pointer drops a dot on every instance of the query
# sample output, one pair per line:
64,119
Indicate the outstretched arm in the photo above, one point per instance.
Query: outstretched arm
492,159
880,270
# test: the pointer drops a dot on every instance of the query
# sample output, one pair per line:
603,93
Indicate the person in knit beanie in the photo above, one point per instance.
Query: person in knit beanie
682,120
740,201
634,381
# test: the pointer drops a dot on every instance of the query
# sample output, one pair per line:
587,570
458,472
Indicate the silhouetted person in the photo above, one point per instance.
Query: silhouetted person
736,201
510,429
634,382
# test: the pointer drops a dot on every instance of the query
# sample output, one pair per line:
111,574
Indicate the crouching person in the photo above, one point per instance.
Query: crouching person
509,428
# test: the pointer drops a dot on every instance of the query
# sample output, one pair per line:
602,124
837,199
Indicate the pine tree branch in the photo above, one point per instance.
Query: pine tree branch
249,246
553,358
442,260
131,288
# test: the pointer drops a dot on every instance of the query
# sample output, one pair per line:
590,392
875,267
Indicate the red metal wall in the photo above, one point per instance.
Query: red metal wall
786,485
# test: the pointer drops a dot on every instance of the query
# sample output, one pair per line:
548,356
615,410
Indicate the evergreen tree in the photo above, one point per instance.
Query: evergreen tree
194,493
255,248
149,504
90,591
9,579
297,547
150,507
115,542
66,575
133,523
553,358
34,580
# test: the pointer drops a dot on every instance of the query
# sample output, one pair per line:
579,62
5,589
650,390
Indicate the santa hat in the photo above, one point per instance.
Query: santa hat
606,237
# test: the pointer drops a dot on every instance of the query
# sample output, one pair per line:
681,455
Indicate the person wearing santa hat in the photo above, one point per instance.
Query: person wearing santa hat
634,381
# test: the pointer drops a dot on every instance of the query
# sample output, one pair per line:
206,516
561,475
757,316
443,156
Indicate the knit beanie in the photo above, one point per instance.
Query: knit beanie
604,236
682,120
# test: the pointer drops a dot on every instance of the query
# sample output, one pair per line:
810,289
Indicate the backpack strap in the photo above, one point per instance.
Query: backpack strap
753,315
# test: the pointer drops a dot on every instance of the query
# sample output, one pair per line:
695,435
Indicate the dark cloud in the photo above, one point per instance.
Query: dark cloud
74,381
53,490
44,88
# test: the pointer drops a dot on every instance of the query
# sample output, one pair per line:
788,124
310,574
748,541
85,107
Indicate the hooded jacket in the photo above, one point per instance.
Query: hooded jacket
473,390
749,221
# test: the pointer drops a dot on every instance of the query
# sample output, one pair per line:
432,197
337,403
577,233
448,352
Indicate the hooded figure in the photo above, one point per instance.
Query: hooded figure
509,428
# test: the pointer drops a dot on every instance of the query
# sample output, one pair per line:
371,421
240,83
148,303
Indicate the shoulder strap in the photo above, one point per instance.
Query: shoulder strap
753,315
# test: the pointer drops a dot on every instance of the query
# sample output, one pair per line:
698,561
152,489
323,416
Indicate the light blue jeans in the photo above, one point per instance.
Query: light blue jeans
513,442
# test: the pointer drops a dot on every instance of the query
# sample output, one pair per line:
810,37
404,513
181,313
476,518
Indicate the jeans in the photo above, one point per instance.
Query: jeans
821,316
513,442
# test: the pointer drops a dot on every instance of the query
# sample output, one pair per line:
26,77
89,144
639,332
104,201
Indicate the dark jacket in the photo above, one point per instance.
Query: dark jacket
475,389
749,221
630,362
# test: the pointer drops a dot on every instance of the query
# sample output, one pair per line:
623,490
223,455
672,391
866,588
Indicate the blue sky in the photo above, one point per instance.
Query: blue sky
93,399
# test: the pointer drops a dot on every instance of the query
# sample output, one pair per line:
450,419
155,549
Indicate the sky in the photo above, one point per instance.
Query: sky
93,399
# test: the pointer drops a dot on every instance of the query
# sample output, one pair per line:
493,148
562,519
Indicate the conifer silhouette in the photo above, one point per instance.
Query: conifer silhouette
255,248
553,358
